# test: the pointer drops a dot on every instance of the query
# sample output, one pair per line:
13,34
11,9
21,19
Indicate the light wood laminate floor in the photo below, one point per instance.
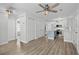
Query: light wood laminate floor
40,46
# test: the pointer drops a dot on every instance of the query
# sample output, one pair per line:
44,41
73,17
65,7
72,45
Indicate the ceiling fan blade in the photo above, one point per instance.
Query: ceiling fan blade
55,5
55,11
39,11
12,8
9,7
41,6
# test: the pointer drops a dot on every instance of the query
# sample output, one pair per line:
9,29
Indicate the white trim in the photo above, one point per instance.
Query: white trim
24,41
11,39
2,43
68,41
51,38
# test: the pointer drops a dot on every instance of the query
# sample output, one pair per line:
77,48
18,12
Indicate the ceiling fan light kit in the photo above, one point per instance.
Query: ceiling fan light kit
8,12
45,13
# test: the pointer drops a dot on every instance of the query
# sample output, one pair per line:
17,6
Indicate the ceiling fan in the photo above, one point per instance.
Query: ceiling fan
48,8
8,11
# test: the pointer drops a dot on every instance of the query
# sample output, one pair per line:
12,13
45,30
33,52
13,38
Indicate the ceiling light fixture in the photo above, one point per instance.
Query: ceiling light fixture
48,8
9,12
45,13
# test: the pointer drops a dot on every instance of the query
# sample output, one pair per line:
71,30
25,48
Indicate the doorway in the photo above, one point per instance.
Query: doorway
18,32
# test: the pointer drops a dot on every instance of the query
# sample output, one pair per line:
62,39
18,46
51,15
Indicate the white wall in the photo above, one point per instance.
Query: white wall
3,29
7,29
68,30
11,29
77,27
35,28
78,33
40,28
31,28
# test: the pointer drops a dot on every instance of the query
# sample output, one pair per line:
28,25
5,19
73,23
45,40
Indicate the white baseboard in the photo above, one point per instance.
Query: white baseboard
2,43
11,39
39,36
51,38
68,41
24,41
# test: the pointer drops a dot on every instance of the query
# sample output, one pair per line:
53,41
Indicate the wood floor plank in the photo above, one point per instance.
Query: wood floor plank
47,48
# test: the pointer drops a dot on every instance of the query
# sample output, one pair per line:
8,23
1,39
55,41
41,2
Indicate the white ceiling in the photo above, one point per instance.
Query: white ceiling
31,8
